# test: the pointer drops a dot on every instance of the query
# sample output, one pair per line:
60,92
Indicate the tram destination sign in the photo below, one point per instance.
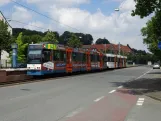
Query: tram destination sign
36,46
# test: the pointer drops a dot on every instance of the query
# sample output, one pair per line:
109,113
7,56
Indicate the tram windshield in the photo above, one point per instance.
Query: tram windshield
34,56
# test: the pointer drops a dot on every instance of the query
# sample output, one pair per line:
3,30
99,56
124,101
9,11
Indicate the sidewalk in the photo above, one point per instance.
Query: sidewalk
149,85
148,111
155,95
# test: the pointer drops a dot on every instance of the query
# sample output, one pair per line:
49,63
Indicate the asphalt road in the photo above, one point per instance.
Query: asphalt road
74,98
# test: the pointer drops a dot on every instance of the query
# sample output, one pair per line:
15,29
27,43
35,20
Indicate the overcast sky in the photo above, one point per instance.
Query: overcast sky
96,17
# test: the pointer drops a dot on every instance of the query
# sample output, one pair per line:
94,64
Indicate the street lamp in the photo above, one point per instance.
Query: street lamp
117,9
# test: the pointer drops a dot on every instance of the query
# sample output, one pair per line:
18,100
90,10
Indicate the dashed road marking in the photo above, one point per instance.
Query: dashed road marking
98,99
140,101
112,91
120,87
143,74
74,112
140,104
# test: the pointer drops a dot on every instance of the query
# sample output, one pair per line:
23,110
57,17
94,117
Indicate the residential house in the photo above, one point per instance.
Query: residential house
110,48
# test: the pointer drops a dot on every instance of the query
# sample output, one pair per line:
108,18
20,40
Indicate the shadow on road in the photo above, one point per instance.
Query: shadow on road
140,86
155,73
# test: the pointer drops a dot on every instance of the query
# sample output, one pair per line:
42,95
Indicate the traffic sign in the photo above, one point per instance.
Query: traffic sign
159,45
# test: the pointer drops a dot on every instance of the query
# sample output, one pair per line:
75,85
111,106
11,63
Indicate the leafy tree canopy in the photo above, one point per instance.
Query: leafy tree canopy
152,34
21,53
86,39
102,41
146,7
5,37
50,37
74,42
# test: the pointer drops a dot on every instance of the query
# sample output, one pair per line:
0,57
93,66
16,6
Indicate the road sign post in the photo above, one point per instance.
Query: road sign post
14,55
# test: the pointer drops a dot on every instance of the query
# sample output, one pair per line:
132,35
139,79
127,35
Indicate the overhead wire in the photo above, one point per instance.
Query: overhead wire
42,14
27,24
45,16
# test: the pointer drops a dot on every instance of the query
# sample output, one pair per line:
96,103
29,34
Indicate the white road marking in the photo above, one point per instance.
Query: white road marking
140,101
139,104
120,87
74,113
112,91
141,98
143,74
98,99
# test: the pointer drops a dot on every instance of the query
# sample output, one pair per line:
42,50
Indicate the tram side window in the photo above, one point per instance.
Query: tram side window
98,58
112,59
46,55
56,55
62,55
78,57
91,57
109,59
84,57
73,56
105,59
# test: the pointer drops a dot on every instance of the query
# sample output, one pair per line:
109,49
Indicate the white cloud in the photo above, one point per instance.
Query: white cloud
21,14
127,5
36,25
3,2
61,3
118,27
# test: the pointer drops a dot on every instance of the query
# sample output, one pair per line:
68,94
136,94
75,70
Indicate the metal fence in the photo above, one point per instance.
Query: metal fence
5,64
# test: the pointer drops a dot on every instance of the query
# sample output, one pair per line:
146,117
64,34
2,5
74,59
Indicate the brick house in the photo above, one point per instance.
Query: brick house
108,48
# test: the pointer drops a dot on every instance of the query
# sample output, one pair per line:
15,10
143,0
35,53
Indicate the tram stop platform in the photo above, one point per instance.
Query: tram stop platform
11,75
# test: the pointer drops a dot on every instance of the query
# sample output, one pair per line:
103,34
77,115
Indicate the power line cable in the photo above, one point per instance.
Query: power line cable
42,14
27,24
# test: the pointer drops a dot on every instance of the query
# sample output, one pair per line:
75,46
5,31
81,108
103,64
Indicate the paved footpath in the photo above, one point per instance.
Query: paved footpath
106,96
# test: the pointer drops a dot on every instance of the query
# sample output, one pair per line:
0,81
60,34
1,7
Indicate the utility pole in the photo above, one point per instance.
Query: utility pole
119,48
105,48
111,47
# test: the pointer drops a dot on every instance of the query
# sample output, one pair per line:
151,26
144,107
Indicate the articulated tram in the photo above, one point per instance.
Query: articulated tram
46,58
115,61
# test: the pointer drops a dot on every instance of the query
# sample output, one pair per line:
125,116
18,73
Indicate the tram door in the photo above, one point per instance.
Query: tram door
69,61
88,61
101,61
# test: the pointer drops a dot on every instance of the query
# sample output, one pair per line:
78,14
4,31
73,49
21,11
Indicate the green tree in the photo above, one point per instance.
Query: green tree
5,37
86,39
144,8
36,38
64,38
152,33
27,32
21,49
102,41
50,37
74,42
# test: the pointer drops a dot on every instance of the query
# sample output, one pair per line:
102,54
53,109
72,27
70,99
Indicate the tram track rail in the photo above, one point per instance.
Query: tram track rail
49,77
54,77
